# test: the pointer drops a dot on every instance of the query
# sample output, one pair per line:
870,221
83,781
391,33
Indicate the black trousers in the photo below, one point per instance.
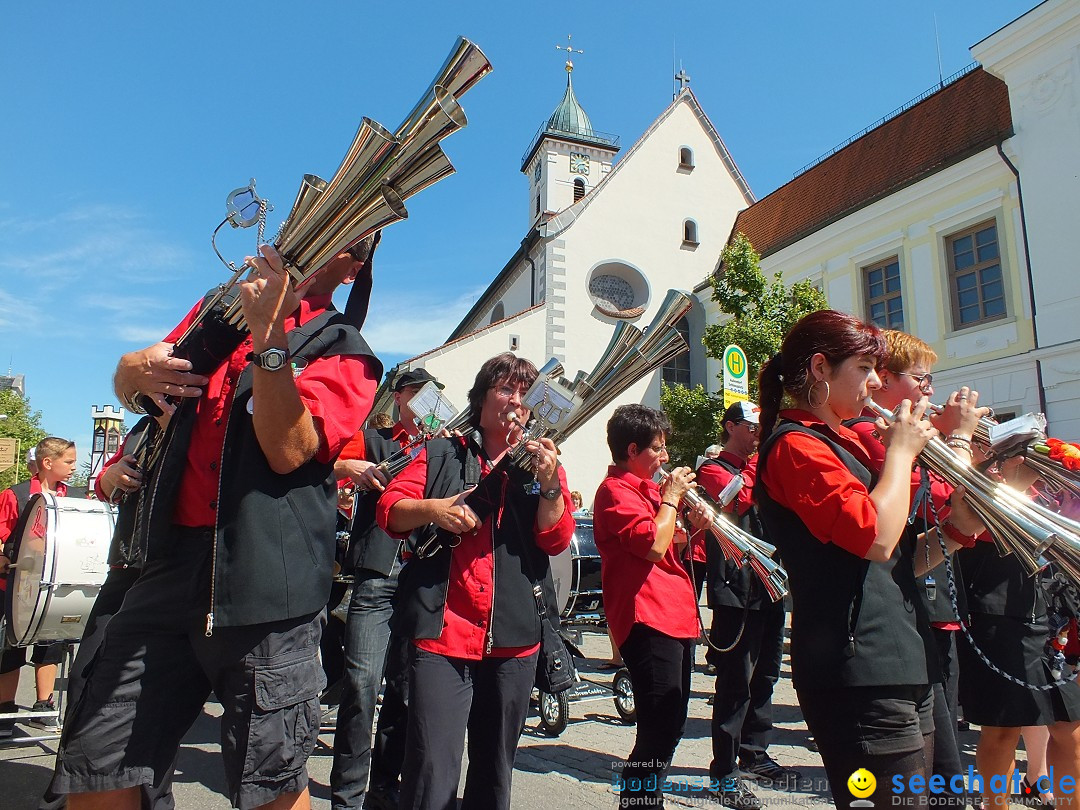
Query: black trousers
108,602
660,670
946,748
490,698
745,678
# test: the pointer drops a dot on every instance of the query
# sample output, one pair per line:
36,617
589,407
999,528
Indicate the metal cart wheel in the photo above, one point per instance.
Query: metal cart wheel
554,712
623,688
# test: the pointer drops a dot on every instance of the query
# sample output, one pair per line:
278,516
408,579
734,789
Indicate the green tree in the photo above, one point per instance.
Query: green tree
761,313
18,422
761,310
693,415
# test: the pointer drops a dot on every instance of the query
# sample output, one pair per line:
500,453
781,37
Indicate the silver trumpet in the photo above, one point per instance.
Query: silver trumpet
738,545
380,171
1057,477
1035,534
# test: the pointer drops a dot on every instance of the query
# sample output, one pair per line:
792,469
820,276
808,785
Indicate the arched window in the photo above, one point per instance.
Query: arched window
690,234
686,158
498,313
677,371
579,189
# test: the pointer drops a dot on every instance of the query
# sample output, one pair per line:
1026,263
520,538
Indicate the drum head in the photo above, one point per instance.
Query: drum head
24,581
562,574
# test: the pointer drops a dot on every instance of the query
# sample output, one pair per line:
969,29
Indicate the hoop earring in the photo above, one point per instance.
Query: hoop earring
810,394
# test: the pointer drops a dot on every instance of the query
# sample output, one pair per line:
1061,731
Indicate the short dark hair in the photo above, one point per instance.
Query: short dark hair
506,366
634,424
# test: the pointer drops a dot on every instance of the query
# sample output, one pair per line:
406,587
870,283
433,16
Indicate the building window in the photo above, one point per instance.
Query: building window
677,371
498,312
579,189
686,158
538,205
978,289
112,442
690,234
884,303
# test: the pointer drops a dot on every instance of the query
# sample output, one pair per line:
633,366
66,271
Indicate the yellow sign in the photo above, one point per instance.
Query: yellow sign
735,376
9,452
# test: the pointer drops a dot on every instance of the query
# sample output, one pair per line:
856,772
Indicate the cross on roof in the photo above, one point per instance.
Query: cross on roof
569,50
683,78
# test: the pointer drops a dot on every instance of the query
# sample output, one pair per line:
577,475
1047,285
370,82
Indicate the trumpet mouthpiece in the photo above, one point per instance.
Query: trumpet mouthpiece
513,418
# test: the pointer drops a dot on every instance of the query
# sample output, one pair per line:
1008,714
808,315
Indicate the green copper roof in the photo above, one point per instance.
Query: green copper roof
569,117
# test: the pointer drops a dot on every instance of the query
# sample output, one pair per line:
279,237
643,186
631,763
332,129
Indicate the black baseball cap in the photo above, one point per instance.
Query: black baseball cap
416,376
742,411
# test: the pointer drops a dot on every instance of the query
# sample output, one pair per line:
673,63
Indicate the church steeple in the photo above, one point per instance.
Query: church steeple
567,157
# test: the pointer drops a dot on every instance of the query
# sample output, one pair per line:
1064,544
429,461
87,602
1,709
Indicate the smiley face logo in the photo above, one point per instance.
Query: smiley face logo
861,783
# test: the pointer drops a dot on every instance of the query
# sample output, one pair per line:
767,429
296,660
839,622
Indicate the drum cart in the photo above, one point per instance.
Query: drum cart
554,710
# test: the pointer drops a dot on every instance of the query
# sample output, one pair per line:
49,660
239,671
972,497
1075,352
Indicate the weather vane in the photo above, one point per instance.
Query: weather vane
569,51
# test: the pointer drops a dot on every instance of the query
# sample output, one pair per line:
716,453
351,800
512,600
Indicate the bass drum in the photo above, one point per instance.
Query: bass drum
61,561
576,572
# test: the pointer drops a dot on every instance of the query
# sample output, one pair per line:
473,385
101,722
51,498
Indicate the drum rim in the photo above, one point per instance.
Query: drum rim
39,612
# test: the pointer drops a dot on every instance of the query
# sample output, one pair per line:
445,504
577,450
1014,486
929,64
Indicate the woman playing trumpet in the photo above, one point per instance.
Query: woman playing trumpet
469,608
648,597
860,644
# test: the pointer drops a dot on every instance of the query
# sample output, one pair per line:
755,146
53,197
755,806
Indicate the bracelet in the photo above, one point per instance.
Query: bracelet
956,437
669,503
954,534
131,403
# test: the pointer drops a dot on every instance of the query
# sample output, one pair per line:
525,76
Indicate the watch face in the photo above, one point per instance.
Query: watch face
539,169
273,359
579,164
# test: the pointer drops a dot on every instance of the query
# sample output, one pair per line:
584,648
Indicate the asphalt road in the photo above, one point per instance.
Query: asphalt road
573,769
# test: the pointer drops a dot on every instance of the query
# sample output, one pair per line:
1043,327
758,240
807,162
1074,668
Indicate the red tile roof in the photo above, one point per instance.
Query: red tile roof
962,118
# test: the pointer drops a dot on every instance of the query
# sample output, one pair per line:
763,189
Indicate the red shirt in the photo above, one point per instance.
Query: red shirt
470,595
805,476
9,512
636,589
337,392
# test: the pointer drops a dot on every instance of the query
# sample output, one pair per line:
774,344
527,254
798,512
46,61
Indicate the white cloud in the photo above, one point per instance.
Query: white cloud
410,324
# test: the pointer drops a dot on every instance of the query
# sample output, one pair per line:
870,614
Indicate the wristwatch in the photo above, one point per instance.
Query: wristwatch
551,494
271,359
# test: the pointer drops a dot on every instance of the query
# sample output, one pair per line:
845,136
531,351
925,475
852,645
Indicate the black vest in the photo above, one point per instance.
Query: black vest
729,583
275,533
1000,585
853,622
932,587
424,582
370,547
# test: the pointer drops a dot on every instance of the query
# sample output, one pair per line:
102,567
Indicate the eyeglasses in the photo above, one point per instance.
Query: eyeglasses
925,381
507,391
750,426
661,449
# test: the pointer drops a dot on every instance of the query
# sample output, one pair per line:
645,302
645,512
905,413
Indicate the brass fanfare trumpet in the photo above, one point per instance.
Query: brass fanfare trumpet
739,545
1035,534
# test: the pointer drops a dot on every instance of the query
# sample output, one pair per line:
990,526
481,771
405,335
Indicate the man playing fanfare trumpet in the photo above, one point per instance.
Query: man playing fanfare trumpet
238,527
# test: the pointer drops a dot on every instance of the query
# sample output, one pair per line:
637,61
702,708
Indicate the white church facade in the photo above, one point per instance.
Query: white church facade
604,242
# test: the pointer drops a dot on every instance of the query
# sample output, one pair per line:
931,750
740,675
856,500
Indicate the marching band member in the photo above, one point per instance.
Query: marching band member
469,608
907,375
239,552
1008,620
648,598
860,649
56,460
371,649
741,609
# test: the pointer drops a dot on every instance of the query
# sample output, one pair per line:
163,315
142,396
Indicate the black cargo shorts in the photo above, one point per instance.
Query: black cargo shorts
155,669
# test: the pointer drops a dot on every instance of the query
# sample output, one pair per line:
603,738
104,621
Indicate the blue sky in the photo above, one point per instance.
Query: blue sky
123,126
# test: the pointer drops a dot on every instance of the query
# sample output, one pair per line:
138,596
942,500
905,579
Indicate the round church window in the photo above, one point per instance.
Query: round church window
618,290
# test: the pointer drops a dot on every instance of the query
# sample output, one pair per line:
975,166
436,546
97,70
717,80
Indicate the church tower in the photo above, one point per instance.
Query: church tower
567,157
108,433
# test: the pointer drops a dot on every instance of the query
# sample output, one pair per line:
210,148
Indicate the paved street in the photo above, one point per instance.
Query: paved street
571,770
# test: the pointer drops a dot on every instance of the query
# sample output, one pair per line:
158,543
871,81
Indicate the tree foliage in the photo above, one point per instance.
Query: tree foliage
761,310
23,424
761,313
693,415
